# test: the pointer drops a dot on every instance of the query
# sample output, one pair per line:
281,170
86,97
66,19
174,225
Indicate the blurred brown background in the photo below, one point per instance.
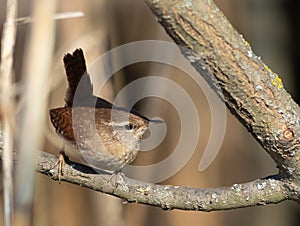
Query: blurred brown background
272,28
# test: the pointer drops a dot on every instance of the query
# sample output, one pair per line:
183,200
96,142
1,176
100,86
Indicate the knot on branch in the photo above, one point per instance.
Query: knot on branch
287,142
287,136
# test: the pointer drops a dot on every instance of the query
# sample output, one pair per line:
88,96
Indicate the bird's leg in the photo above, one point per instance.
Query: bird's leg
60,163
116,174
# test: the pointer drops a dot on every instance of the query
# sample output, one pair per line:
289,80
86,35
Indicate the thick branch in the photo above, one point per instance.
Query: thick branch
251,90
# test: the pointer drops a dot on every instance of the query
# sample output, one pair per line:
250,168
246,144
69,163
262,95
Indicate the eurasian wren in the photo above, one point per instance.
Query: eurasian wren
107,136
108,139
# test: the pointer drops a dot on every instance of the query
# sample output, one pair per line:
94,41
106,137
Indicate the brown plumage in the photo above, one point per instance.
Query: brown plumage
80,86
108,137
79,83
61,119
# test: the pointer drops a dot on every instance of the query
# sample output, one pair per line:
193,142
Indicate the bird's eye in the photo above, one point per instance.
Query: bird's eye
129,126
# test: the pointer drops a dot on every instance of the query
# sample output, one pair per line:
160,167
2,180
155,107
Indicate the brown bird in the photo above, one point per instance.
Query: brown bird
108,137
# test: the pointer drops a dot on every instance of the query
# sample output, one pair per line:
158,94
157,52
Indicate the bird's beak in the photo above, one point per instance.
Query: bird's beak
156,121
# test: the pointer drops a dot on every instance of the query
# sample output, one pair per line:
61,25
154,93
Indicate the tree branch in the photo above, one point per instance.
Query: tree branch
252,92
259,192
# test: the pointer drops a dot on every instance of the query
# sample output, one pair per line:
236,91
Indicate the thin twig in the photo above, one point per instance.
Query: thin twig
38,59
58,16
7,105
